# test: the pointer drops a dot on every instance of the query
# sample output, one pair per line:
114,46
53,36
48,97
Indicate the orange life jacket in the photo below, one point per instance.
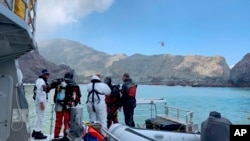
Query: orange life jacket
95,133
132,90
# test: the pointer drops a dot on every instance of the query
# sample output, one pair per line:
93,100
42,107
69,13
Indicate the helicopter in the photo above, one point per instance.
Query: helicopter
162,43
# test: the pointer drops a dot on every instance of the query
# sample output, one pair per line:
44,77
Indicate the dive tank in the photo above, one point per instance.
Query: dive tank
61,93
126,133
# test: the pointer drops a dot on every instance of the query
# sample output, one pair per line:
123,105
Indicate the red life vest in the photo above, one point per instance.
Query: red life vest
96,134
132,90
114,97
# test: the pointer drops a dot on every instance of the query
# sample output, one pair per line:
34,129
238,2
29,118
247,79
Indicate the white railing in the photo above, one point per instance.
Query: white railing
149,108
179,114
152,103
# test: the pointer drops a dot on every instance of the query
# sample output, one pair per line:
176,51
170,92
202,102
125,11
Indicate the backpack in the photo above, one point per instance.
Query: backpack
73,94
114,97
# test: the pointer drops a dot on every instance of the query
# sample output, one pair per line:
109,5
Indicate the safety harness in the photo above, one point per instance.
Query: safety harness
93,92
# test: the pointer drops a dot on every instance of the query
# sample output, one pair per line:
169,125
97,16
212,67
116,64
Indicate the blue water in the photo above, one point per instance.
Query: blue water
232,103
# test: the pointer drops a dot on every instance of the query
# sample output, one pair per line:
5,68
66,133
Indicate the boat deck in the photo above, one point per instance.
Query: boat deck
169,113
149,109
49,138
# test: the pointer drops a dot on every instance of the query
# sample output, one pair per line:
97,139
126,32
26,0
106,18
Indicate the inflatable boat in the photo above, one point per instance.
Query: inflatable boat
153,125
126,133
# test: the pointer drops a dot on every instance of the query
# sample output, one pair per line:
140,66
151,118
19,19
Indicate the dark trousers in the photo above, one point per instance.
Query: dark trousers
112,115
128,110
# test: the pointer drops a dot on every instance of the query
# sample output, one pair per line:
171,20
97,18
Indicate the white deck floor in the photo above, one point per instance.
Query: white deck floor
49,138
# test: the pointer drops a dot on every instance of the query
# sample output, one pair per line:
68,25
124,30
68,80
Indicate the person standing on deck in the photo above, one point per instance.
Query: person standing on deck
40,101
128,99
96,105
67,95
112,101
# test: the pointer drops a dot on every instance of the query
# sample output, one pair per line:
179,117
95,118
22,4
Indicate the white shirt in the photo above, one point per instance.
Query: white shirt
40,93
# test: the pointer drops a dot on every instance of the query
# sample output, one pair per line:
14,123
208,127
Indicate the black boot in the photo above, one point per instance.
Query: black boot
33,133
39,135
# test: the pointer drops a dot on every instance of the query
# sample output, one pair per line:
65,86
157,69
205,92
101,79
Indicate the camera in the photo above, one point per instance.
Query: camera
117,86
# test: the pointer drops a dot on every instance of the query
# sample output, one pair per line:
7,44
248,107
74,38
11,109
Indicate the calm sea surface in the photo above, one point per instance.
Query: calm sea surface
232,103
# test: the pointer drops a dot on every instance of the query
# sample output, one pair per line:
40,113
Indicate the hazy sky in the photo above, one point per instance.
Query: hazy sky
188,27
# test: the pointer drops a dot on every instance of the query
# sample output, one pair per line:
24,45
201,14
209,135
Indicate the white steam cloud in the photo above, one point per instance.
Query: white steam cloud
53,14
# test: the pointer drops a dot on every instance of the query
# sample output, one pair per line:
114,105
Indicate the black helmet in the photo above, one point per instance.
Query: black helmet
107,80
69,75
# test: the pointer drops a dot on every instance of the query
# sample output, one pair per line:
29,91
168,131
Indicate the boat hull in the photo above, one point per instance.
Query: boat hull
16,39
125,133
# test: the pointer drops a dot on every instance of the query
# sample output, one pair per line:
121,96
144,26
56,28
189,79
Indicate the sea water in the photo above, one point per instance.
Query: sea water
232,103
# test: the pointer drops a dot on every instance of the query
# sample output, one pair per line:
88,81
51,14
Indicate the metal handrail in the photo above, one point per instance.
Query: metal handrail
152,102
52,118
188,116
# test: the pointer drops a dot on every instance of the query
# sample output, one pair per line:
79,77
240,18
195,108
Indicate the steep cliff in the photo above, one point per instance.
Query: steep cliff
240,73
164,69
174,70
83,59
32,63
